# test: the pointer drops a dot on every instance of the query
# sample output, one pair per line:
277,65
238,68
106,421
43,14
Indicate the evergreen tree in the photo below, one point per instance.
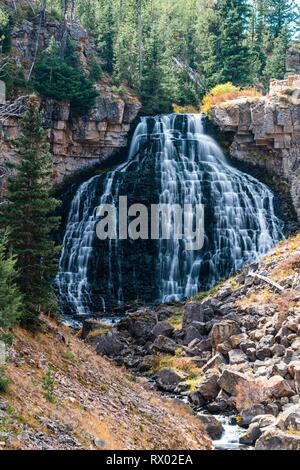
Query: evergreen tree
234,60
62,79
27,214
276,63
11,306
281,14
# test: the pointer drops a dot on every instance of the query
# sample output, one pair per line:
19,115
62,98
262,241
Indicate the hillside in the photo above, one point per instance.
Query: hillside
96,405
232,350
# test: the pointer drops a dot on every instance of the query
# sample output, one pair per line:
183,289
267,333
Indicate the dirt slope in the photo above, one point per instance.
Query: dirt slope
96,404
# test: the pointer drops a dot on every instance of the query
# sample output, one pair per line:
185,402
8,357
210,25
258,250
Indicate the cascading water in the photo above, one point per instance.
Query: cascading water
171,161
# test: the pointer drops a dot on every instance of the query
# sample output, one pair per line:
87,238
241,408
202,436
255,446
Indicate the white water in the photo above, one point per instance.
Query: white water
239,211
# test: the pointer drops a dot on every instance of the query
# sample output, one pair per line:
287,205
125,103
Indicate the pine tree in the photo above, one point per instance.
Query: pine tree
28,216
11,305
234,59
276,63
61,78
281,14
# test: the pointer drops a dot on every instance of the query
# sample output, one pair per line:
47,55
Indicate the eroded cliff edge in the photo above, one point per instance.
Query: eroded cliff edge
74,143
266,132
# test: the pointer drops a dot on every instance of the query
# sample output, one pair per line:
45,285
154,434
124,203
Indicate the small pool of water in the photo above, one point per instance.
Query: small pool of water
231,436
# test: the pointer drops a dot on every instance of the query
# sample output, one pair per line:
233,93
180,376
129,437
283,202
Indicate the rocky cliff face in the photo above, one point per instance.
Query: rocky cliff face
267,132
74,143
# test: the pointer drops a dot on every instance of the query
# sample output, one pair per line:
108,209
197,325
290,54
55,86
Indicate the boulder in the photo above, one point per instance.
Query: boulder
264,421
88,326
222,331
164,344
209,387
289,419
251,435
247,415
196,399
215,362
191,333
236,356
275,439
213,427
230,379
110,344
278,387
194,311
168,379
263,353
140,324
163,328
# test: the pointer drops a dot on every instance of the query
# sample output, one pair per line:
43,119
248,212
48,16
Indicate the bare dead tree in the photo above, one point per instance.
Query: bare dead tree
42,14
13,109
72,10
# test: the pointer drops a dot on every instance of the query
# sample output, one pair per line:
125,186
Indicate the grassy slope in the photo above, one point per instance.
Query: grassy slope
93,399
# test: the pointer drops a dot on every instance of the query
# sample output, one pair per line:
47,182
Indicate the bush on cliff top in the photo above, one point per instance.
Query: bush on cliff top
225,92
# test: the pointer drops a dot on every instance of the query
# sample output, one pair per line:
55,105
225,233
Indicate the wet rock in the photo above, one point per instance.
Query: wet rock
251,435
163,328
164,344
213,427
168,379
222,331
230,379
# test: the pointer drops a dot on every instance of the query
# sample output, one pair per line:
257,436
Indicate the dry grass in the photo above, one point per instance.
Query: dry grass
93,397
180,364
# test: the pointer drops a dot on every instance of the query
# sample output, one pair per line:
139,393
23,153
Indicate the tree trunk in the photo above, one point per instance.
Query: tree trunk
140,40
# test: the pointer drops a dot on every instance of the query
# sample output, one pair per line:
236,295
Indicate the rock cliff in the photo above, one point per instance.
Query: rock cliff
74,143
266,132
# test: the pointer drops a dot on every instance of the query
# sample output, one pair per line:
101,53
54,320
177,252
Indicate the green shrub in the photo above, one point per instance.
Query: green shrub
96,70
7,338
48,385
4,381
11,306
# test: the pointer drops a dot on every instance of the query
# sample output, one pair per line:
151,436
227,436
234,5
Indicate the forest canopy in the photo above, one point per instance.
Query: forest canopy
174,51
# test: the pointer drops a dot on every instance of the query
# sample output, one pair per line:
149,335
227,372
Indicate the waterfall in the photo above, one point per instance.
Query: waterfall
171,161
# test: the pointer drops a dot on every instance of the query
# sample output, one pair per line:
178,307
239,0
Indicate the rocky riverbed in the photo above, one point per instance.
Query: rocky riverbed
233,351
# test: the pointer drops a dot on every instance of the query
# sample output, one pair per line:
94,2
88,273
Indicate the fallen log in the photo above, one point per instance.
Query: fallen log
267,280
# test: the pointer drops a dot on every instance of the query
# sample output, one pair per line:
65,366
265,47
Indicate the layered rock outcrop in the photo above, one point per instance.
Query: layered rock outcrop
74,143
266,132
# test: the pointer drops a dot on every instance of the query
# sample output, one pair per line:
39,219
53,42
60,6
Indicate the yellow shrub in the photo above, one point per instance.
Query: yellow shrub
188,109
225,92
